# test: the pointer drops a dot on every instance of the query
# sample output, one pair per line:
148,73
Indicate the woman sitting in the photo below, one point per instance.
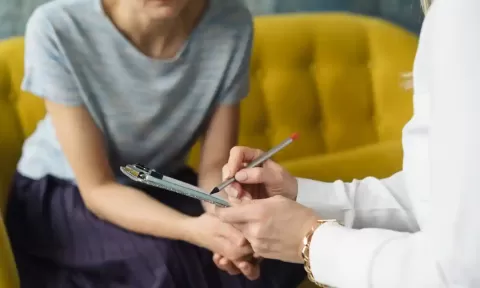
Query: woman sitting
131,82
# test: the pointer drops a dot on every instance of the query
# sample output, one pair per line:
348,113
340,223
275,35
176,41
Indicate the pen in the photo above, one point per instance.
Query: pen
258,161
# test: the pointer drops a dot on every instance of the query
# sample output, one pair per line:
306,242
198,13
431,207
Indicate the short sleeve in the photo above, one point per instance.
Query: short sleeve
237,82
47,72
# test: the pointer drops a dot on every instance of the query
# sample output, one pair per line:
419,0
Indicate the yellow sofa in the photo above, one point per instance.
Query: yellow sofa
335,78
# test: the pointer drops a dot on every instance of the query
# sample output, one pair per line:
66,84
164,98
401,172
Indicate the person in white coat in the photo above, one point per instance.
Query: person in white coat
417,228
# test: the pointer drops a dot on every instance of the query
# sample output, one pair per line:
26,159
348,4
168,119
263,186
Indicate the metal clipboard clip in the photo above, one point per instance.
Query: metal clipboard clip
150,177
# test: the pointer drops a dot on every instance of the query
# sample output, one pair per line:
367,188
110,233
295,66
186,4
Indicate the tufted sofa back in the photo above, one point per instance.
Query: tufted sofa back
335,78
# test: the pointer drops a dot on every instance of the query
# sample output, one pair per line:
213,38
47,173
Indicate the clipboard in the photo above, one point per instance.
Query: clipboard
145,175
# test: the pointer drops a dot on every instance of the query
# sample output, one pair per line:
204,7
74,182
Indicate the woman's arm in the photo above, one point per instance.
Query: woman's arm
48,75
219,138
82,143
222,132
446,252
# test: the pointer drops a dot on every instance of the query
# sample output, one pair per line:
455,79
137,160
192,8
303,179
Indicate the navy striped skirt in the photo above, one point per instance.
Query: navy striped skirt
59,243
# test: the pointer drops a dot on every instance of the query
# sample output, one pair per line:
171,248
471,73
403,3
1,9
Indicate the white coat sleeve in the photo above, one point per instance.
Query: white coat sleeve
370,202
445,252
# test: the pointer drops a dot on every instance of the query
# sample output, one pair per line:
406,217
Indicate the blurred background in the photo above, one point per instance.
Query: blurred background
407,13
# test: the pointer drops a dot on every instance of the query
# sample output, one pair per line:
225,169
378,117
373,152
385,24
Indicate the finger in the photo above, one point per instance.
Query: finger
233,235
243,213
227,266
240,155
245,195
256,175
216,259
241,227
233,190
234,201
250,270
237,252
226,172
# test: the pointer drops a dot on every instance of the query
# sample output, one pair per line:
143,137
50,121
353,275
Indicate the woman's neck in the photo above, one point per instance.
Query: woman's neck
156,38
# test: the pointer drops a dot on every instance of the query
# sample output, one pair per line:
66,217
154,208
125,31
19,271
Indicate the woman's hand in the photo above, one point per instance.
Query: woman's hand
251,268
209,232
221,238
275,226
260,182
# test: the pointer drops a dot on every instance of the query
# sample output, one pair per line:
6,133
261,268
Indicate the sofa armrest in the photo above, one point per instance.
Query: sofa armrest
11,134
8,273
5,79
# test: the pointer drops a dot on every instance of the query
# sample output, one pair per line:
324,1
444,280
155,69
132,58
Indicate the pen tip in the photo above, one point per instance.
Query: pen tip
214,190
294,136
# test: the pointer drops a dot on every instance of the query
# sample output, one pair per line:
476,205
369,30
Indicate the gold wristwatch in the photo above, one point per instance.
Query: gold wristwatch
306,251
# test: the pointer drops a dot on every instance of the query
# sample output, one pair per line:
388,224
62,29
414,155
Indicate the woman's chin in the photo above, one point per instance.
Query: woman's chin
163,10
163,13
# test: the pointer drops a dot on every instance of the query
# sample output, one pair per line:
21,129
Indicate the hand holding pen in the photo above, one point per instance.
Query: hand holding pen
236,168
254,157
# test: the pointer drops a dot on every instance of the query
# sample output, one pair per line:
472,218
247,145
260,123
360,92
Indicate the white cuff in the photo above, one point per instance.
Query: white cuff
342,257
307,189
328,200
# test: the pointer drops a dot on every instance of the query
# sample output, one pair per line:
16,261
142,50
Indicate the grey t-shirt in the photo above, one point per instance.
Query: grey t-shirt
150,111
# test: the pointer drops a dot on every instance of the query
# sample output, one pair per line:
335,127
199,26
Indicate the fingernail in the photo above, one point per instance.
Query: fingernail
241,176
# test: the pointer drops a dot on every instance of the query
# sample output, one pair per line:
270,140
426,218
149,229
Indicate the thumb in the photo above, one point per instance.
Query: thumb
241,213
257,175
